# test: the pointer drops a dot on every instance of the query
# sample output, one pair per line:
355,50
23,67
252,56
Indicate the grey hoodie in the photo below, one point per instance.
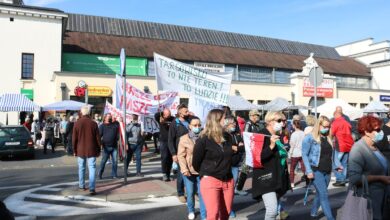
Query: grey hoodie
133,131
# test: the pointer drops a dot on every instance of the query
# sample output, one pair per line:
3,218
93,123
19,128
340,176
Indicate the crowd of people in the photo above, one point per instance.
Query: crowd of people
210,158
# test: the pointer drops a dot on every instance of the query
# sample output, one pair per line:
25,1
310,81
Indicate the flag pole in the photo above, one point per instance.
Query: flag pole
123,74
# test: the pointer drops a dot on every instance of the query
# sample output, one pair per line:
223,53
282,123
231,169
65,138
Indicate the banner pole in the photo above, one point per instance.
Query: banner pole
123,74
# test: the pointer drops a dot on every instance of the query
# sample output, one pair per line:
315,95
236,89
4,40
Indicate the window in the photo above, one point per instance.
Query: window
282,76
353,104
250,100
27,66
255,74
353,82
151,68
262,102
363,105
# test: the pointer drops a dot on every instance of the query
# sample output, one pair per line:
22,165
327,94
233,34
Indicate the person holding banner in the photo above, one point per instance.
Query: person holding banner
178,128
271,179
190,176
165,119
212,159
317,150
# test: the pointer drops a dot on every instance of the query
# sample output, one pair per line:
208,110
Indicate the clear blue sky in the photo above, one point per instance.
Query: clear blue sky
324,22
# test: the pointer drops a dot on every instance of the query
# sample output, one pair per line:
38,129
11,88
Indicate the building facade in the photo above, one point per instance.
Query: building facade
31,47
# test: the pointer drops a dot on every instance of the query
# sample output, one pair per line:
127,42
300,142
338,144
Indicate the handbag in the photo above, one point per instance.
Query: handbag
357,207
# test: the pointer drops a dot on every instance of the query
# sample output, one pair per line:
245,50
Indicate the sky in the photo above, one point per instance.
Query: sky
323,22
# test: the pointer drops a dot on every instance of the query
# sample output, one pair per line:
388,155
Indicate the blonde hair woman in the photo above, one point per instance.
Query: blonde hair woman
212,160
317,156
271,181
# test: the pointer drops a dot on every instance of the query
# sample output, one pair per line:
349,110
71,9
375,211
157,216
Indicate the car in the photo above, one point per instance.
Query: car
15,140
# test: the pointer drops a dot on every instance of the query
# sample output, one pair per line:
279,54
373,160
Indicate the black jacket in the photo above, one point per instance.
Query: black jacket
69,131
164,126
272,177
176,130
237,156
211,159
253,127
109,134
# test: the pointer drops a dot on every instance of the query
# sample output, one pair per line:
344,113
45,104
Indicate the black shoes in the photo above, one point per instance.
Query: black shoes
166,178
92,192
139,175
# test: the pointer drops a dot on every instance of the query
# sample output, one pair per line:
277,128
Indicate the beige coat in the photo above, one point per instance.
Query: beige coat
184,154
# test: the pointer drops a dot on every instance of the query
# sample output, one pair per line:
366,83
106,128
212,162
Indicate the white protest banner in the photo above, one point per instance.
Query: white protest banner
172,75
116,112
150,125
141,103
201,108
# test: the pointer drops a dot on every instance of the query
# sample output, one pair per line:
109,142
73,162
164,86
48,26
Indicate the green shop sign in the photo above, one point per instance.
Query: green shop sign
29,93
102,64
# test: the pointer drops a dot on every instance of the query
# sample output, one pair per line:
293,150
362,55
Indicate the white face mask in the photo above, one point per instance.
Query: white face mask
278,126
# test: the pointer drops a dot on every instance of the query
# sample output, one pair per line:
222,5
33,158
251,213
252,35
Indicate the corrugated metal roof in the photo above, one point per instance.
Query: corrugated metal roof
131,28
82,42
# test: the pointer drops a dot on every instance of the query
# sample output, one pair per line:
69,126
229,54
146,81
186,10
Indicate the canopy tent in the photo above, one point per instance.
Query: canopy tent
237,103
17,103
327,109
278,104
375,106
64,105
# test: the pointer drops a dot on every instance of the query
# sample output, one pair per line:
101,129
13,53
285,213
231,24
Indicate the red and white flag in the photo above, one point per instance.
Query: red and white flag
253,147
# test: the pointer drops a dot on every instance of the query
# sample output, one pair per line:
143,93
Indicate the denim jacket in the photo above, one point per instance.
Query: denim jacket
311,153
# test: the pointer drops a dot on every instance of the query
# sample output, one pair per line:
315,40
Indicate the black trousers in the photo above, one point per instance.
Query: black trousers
52,144
166,158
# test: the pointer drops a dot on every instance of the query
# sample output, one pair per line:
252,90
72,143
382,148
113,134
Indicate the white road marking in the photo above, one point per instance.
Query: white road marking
17,204
19,187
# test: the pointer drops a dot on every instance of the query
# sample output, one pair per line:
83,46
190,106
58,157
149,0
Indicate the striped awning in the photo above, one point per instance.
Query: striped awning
17,103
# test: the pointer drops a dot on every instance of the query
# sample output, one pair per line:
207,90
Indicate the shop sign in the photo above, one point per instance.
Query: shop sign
324,90
29,93
213,67
384,98
102,64
102,91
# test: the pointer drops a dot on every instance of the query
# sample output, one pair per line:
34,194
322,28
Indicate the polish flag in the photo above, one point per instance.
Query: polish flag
253,147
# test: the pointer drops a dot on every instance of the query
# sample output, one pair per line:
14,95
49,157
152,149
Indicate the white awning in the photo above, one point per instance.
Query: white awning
17,103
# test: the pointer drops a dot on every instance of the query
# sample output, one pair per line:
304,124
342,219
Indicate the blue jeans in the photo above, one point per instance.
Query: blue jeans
91,170
107,152
235,171
192,184
137,149
321,182
342,159
179,182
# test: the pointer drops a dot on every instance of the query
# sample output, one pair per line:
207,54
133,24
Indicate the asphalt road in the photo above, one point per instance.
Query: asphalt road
41,172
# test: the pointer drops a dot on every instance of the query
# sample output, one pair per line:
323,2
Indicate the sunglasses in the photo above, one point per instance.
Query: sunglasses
280,120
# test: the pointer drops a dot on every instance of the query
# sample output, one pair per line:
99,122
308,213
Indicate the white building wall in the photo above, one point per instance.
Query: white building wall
381,77
34,32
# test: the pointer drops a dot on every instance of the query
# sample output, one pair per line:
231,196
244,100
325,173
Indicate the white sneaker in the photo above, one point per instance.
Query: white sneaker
240,192
191,216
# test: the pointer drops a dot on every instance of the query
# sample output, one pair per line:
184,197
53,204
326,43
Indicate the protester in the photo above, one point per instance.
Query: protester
212,160
109,134
384,145
317,156
165,119
178,128
343,141
49,135
69,134
310,122
238,147
36,131
63,125
135,142
27,124
86,147
273,159
339,110
295,153
253,126
56,131
366,159
190,176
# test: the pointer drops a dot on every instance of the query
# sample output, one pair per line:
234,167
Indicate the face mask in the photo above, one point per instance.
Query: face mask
325,131
196,130
186,117
378,136
110,120
278,127
232,130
